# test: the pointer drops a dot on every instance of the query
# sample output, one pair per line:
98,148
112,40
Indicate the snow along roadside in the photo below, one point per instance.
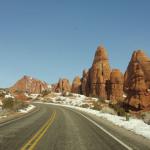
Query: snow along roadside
135,125
27,109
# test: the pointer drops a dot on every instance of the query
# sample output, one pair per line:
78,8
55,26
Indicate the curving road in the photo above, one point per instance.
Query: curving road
58,128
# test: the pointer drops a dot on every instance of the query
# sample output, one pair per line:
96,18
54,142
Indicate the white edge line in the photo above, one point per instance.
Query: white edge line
97,125
108,133
24,115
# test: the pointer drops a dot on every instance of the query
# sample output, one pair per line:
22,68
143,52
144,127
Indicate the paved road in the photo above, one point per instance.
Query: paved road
59,128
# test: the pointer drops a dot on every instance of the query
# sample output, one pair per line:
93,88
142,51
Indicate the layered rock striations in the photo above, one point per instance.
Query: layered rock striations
85,83
133,87
137,81
63,85
29,85
99,74
116,86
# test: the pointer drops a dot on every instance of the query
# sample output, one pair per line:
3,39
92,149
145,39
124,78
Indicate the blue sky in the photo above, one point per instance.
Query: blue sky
49,39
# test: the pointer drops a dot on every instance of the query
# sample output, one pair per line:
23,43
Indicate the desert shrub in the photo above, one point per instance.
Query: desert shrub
101,99
65,93
119,109
69,95
19,91
13,104
127,117
29,98
108,110
19,104
45,92
93,96
97,105
85,105
8,103
146,117
2,95
59,99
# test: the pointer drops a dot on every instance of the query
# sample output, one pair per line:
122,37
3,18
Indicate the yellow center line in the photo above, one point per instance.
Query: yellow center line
42,134
37,134
30,145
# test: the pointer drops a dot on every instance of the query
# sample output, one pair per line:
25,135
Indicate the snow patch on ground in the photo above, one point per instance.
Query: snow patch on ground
49,86
73,100
26,110
135,125
76,101
34,96
2,117
9,96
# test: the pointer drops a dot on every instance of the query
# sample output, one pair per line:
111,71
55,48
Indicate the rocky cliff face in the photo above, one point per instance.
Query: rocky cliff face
85,83
137,81
100,81
63,85
116,86
76,85
30,85
99,73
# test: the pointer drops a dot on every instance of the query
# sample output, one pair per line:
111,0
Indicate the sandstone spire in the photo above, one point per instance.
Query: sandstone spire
137,81
116,86
99,73
76,85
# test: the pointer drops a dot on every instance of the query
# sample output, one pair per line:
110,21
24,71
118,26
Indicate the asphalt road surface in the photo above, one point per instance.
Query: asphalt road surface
59,128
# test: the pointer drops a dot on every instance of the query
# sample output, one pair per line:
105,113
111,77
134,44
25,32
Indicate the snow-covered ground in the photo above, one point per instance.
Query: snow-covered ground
73,100
26,110
9,96
136,125
33,96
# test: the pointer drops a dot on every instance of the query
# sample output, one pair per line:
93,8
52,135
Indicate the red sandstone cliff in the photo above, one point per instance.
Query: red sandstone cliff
30,85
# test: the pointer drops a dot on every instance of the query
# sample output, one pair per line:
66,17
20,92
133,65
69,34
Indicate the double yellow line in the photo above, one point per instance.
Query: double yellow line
30,145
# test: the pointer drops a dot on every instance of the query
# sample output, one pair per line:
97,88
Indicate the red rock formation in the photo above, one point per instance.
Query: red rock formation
76,85
63,86
21,96
30,85
116,86
54,86
137,81
85,83
99,73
